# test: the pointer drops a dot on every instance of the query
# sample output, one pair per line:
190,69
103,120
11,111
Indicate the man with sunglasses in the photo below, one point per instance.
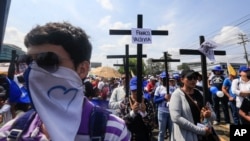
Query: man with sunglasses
59,59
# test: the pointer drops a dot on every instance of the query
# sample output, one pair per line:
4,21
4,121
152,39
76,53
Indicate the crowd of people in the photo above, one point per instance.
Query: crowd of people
54,98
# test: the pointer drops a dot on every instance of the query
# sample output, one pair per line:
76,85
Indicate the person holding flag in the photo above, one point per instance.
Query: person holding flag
226,88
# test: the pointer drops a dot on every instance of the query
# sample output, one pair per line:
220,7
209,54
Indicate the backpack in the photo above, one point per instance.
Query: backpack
97,124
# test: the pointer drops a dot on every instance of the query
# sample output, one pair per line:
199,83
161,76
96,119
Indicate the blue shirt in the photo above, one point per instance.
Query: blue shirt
228,83
160,93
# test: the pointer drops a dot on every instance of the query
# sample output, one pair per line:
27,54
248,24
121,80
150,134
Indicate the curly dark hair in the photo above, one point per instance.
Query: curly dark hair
73,39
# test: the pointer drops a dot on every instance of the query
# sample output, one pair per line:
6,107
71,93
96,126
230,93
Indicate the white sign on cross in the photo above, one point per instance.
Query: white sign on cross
141,36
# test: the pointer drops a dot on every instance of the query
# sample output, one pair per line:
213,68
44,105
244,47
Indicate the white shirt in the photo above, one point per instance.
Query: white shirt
162,91
239,86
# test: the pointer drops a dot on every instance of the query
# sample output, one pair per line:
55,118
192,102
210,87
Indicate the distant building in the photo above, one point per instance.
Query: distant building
95,64
197,66
6,55
6,52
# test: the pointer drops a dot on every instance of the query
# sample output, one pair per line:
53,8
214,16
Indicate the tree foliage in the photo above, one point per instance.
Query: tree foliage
183,66
133,66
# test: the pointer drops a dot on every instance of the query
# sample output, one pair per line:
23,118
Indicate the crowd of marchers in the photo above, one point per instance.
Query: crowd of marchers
52,97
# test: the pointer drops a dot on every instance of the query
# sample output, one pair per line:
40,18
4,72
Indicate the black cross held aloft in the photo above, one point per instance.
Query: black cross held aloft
139,52
207,97
166,60
126,65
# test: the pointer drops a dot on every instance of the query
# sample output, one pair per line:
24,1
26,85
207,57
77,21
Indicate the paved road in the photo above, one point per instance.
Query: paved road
222,130
155,135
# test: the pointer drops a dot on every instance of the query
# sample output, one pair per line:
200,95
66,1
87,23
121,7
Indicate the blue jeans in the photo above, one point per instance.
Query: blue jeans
235,112
164,122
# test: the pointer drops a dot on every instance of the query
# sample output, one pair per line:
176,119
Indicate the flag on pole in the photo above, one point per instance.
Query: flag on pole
230,69
132,73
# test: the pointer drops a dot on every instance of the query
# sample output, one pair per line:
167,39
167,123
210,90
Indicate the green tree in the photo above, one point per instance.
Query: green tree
133,66
183,66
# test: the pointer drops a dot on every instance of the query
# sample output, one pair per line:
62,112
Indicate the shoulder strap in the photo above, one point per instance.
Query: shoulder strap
189,97
21,125
98,123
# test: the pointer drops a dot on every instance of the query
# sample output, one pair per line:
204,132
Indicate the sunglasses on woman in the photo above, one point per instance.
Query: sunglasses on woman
192,77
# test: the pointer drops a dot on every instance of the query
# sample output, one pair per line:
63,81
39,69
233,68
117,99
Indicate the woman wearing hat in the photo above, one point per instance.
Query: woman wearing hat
186,108
139,117
241,88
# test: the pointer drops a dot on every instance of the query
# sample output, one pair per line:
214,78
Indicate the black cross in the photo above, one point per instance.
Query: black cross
122,65
203,66
139,52
126,65
166,60
4,11
11,69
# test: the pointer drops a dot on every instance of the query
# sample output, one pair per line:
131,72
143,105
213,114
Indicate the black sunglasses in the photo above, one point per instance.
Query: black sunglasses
49,61
192,77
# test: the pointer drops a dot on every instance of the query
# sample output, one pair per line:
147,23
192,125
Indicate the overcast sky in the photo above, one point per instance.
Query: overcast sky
220,21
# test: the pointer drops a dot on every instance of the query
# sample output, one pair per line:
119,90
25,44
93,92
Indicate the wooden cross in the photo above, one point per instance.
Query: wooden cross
126,65
139,52
203,66
12,69
166,60
122,65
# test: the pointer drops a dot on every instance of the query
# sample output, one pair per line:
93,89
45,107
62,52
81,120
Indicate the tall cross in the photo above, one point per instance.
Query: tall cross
139,51
12,69
126,65
166,60
126,68
203,66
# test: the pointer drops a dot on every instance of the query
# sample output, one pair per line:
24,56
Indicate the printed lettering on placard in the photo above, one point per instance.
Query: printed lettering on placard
141,36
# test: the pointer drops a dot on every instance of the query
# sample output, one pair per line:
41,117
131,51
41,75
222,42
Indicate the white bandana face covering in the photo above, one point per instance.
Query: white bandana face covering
58,99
